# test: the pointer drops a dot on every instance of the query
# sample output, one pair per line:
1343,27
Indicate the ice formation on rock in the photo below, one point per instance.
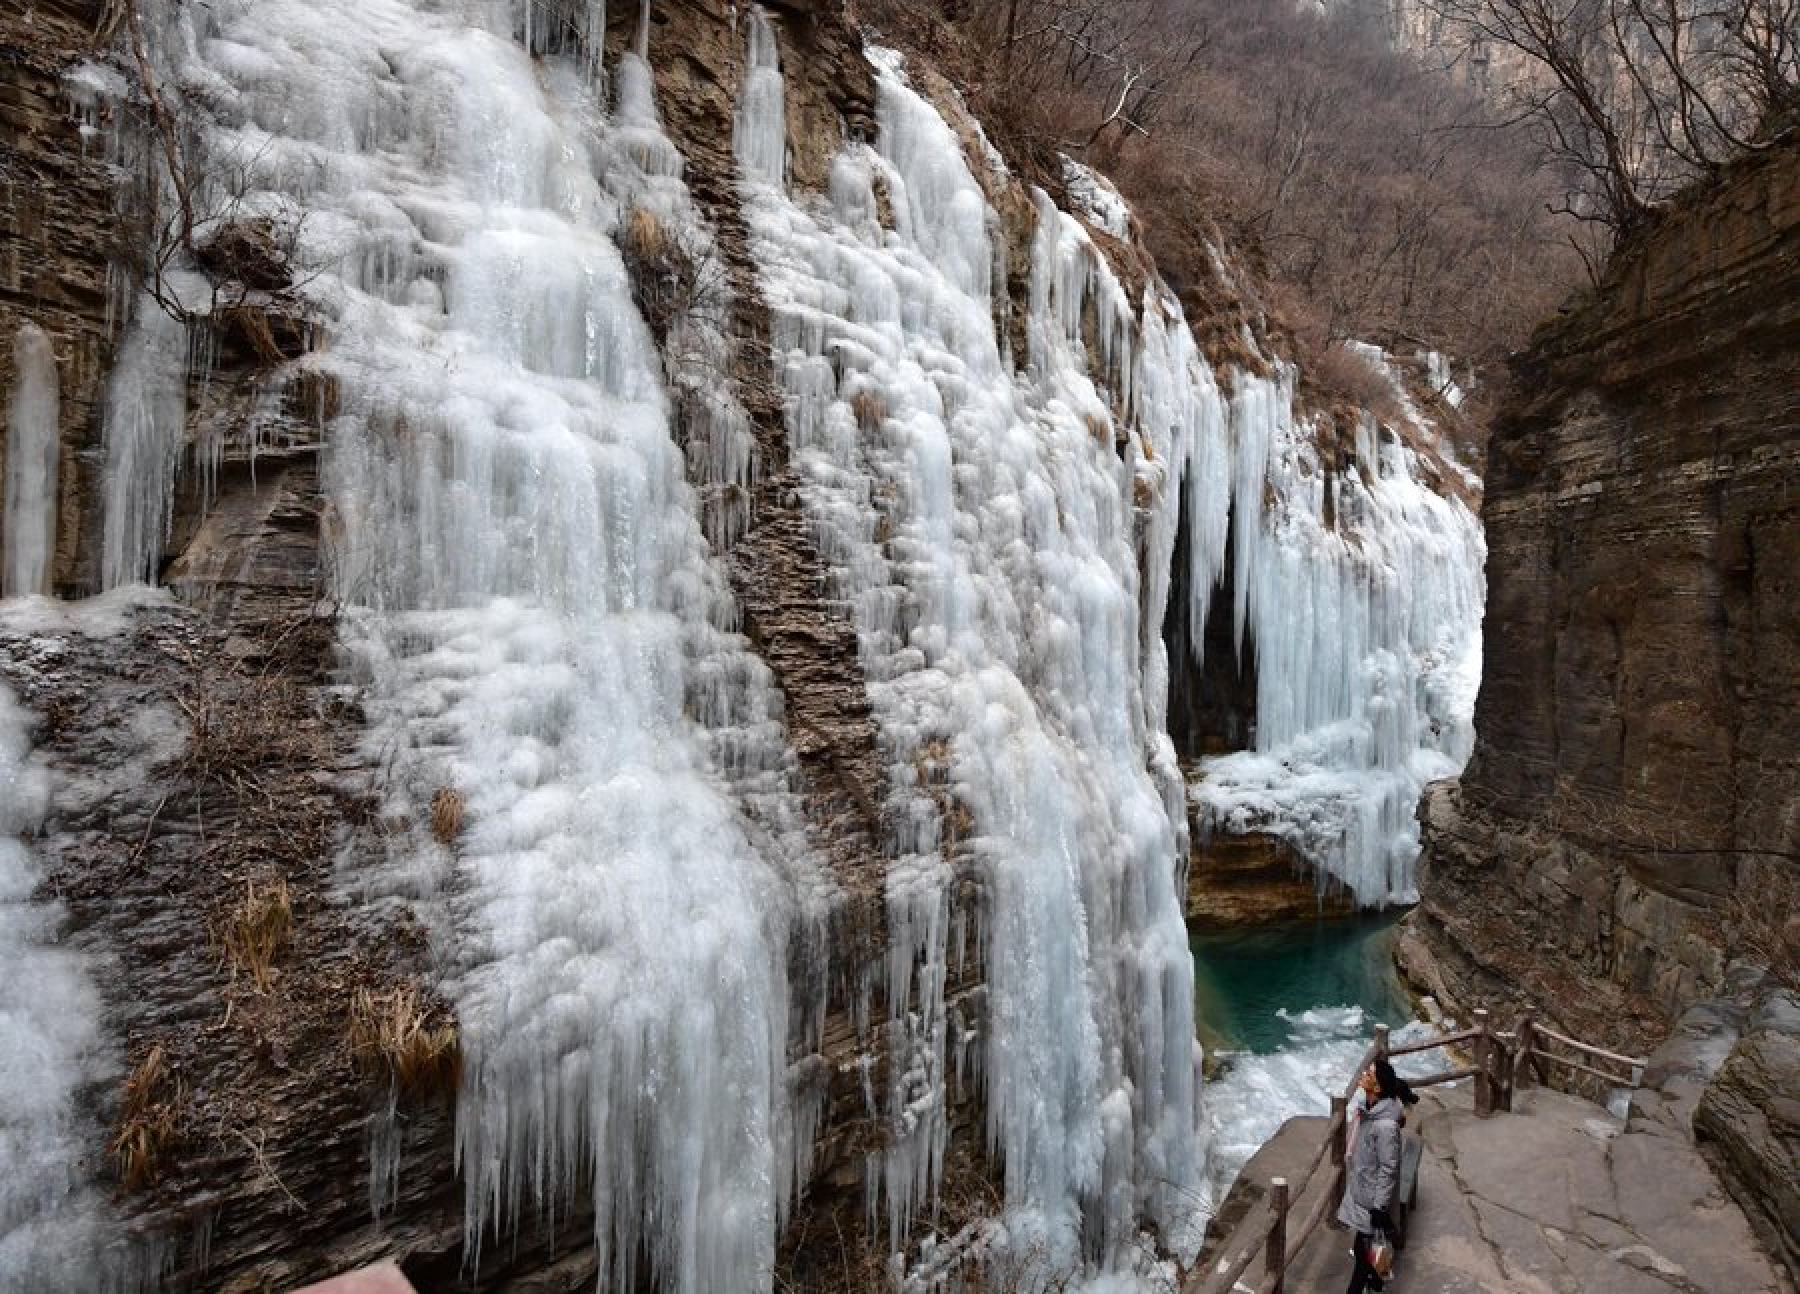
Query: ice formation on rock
1360,593
532,608
49,1044
981,528
33,425
145,419
538,620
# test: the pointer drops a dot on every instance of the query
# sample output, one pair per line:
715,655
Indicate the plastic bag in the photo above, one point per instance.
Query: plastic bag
1380,1256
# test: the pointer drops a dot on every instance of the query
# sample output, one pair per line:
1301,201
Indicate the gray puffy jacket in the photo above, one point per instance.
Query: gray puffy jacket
1374,1166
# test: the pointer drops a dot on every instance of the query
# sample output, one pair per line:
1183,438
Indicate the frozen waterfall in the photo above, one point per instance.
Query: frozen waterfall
33,445
980,525
534,614
49,1045
1360,593
528,491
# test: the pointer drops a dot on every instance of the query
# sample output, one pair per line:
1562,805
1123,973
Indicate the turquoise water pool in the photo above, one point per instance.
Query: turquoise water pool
1285,1014
1250,985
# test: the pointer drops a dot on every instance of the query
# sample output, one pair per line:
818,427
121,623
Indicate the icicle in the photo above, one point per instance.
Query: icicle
34,427
532,609
145,422
1366,633
761,135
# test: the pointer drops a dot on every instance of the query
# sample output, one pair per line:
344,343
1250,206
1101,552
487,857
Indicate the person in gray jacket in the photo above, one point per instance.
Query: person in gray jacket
1374,1171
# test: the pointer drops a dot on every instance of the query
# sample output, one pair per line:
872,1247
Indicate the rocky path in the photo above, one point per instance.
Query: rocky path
1555,1198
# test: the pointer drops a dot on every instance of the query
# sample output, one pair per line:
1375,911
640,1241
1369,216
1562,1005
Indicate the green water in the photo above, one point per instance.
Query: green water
1242,980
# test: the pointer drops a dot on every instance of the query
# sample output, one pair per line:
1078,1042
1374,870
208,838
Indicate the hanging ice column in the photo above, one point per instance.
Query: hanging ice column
982,539
145,421
32,446
50,1018
528,583
1360,594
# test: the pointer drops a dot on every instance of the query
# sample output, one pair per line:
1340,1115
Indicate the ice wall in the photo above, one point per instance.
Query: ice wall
1001,530
531,606
1360,593
144,419
980,527
34,426
540,626
49,1049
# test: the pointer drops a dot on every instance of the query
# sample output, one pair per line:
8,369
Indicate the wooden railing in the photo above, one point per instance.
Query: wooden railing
1500,1063
1532,1054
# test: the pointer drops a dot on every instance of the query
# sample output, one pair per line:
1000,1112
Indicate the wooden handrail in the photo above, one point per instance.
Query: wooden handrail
1333,1141
1275,1257
1223,1279
1448,1076
1632,1062
1432,1044
1315,1215
1615,1079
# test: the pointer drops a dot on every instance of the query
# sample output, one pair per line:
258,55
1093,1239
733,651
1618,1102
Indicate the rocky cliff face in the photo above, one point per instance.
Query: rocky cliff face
1635,769
62,232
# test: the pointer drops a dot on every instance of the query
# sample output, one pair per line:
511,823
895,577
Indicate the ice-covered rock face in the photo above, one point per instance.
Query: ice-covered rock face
532,610
1361,594
538,621
982,531
1008,602
33,426
50,1046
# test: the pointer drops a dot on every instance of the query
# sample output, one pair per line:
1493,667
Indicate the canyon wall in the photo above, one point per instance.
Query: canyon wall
1634,795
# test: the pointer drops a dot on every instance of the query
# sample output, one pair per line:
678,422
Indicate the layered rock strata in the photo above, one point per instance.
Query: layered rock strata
1635,788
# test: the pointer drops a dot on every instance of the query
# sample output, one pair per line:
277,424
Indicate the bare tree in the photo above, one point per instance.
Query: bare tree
1639,98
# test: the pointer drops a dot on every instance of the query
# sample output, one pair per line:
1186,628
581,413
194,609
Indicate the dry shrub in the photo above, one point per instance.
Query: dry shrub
1762,920
446,815
273,337
664,278
148,1122
407,1039
869,408
645,237
254,928
1340,374
250,252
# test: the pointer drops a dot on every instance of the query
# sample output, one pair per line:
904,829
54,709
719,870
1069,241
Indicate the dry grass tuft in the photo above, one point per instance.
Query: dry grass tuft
253,929
870,410
407,1039
149,1121
645,237
446,815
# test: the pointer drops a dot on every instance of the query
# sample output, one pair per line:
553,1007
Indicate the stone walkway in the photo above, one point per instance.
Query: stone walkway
1555,1198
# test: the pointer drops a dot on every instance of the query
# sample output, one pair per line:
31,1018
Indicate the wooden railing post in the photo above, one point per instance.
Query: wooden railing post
1521,1064
1340,1131
1381,1042
1484,1068
1275,1255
